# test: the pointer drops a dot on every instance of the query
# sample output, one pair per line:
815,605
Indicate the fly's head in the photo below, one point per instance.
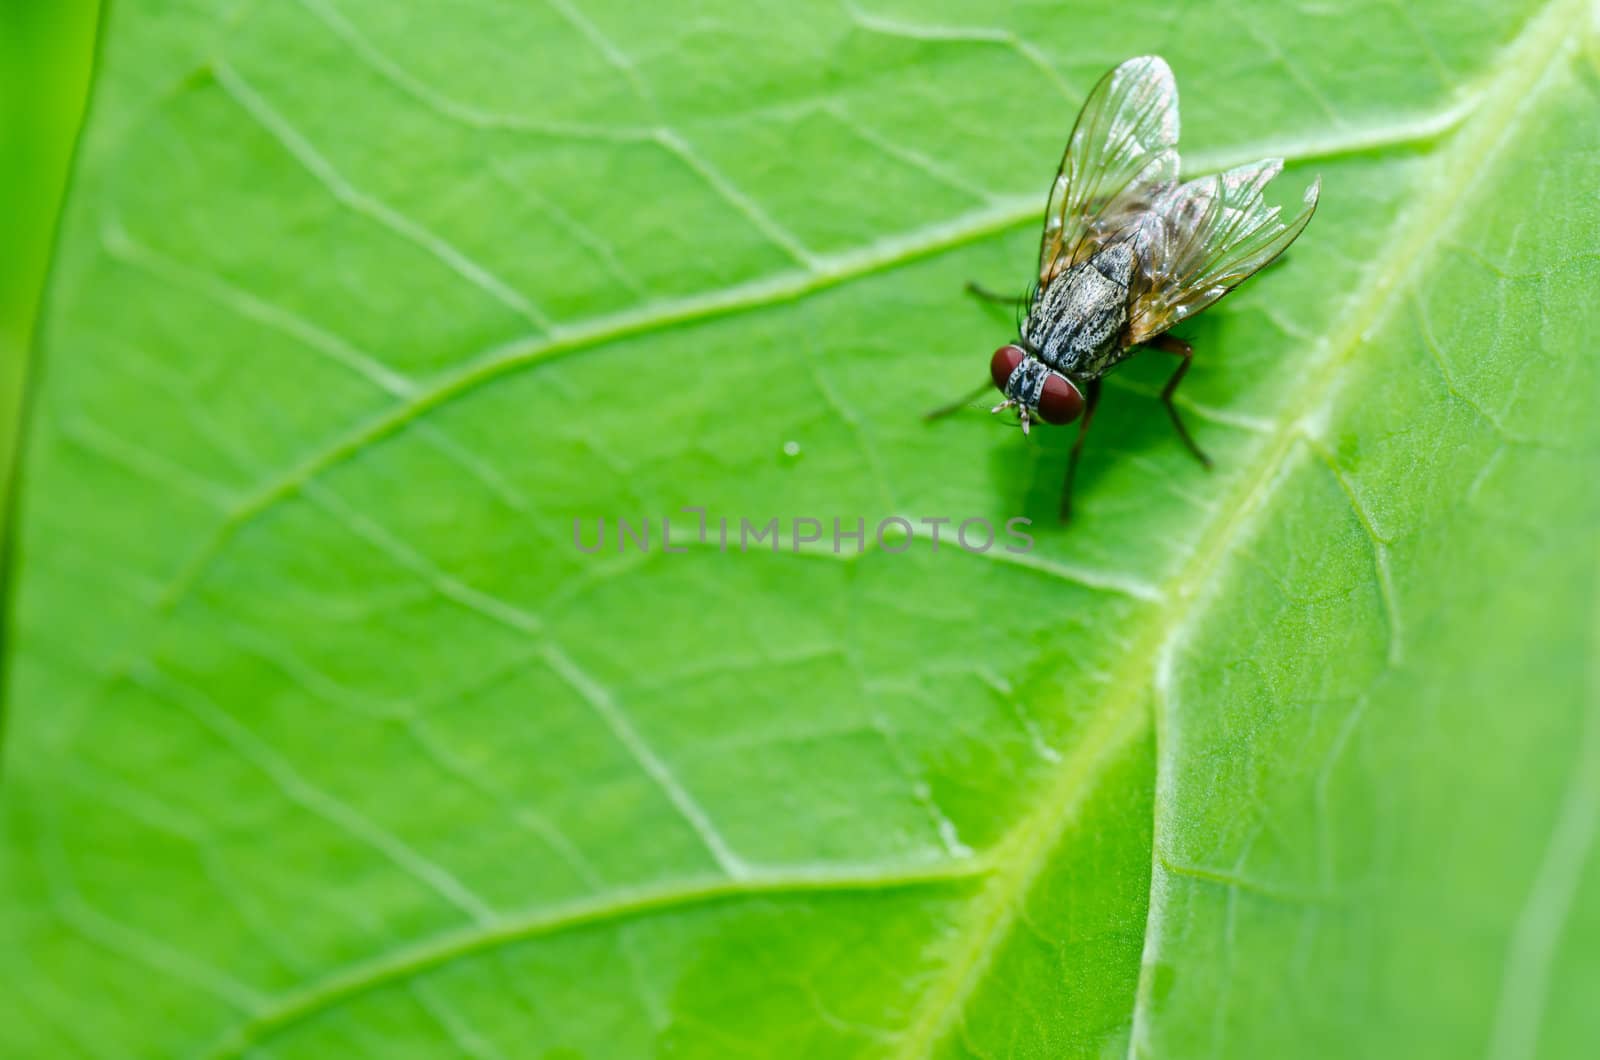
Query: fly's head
1033,388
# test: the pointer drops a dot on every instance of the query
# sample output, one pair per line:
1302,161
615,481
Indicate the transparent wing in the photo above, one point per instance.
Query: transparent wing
1203,238
1121,156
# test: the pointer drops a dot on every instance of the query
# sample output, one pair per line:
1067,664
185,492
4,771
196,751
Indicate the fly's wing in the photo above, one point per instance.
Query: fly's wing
1121,156
1203,238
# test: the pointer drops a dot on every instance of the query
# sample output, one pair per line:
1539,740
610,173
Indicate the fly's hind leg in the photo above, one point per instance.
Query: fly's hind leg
978,291
1091,399
1179,348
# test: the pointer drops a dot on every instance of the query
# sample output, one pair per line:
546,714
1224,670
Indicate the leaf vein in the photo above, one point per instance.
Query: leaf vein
302,151
616,908
656,768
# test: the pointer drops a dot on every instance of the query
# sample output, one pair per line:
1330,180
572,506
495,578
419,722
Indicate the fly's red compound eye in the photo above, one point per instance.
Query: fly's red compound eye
1003,363
1059,401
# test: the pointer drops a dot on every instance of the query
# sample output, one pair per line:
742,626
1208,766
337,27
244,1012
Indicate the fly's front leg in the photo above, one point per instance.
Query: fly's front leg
1091,399
994,296
959,404
1179,348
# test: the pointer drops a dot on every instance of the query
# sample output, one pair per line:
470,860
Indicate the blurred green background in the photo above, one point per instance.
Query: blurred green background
46,56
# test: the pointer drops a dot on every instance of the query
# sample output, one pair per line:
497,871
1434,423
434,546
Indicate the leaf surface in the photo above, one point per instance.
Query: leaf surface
323,737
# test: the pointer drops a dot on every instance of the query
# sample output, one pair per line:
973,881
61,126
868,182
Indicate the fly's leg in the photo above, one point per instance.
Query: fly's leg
959,404
1091,399
996,297
1179,348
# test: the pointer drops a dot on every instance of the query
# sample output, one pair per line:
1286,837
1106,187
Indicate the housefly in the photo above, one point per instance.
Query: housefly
1128,251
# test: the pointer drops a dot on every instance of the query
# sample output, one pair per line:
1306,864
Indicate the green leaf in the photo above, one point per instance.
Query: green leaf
324,739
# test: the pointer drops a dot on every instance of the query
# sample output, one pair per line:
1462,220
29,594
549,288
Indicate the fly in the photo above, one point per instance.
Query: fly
1128,251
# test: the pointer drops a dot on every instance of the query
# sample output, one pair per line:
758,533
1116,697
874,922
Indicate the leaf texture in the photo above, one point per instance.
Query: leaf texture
324,739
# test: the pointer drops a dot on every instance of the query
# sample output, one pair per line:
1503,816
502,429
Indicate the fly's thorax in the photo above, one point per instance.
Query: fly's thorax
1075,322
1115,263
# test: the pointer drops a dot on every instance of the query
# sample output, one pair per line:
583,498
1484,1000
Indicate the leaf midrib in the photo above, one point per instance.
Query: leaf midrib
1030,846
